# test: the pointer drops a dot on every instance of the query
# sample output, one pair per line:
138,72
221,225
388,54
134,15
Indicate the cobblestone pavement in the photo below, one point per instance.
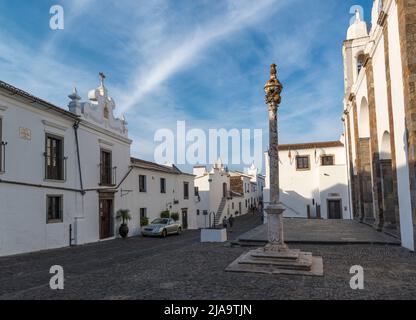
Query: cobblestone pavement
323,231
180,267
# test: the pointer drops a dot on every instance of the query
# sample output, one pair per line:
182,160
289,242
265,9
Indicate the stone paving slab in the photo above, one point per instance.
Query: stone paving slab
322,231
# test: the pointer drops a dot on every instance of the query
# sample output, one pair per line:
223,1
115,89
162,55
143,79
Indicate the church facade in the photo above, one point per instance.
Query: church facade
380,117
64,174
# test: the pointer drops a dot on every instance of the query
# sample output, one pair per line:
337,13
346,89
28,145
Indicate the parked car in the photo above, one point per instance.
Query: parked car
162,227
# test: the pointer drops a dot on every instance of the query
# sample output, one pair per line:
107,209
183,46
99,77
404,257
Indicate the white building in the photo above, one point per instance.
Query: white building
152,188
223,193
259,183
60,170
379,117
213,193
65,174
313,180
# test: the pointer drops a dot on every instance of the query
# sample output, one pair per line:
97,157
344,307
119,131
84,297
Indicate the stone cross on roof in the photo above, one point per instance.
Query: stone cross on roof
273,71
102,77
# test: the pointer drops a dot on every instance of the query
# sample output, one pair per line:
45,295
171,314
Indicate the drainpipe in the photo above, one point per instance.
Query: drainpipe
76,126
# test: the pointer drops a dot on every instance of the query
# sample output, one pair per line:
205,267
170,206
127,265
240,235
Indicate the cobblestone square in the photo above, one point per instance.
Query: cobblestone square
180,267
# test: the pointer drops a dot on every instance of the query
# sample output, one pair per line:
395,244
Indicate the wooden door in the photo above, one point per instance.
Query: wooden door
334,209
184,219
106,207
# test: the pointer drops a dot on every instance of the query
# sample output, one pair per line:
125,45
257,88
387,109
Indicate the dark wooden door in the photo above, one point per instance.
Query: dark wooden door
334,209
106,207
224,190
184,219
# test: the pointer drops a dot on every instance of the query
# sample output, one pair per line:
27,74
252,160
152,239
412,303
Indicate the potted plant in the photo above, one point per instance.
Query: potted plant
144,221
165,214
175,216
124,215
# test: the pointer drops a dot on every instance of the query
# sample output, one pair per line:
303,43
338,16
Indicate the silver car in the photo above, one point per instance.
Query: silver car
162,227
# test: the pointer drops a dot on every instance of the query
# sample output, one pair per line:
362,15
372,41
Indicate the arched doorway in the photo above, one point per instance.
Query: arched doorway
224,190
387,190
364,151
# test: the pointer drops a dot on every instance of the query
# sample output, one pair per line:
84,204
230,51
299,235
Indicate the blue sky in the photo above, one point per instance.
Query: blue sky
203,61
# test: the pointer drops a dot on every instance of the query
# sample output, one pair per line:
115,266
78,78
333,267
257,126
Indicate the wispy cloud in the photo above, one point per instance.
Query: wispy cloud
184,54
203,61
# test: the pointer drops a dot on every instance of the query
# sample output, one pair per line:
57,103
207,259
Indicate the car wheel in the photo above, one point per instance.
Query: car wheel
164,233
179,231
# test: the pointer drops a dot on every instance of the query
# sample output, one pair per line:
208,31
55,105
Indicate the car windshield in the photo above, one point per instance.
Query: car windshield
160,221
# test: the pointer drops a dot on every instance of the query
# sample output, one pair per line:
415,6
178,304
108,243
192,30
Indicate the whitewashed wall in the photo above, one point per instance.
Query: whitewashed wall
23,221
154,201
317,185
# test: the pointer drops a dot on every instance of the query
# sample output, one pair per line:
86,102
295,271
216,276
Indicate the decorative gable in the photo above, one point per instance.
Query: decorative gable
99,109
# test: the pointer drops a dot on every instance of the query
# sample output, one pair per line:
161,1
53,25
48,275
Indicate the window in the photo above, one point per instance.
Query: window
327,160
232,205
162,185
197,212
302,163
246,204
143,212
205,212
186,190
360,63
142,183
106,113
196,191
2,149
54,209
105,168
54,160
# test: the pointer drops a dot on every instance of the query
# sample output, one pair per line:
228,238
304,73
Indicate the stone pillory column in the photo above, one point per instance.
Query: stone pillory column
274,210
276,257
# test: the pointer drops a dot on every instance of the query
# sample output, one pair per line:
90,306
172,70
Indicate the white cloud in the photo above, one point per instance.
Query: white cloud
185,53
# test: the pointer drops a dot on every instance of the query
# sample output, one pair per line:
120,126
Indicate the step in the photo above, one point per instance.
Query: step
303,263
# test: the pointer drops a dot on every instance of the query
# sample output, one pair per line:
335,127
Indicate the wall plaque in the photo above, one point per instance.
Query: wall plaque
25,134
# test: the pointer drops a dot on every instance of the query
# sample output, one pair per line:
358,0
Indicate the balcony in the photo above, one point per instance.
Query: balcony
55,168
108,175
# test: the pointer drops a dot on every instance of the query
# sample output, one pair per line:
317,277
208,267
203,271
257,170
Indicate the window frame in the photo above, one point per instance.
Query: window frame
309,163
61,208
144,189
61,170
163,186
2,149
110,168
328,156
186,188
145,213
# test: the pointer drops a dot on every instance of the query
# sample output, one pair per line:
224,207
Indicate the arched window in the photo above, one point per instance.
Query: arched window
360,63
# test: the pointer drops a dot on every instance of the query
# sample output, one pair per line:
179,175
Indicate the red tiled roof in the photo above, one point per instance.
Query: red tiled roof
310,145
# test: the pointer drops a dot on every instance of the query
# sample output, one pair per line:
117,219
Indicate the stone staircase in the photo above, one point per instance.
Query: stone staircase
217,219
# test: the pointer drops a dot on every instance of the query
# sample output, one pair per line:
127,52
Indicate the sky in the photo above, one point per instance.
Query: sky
204,62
